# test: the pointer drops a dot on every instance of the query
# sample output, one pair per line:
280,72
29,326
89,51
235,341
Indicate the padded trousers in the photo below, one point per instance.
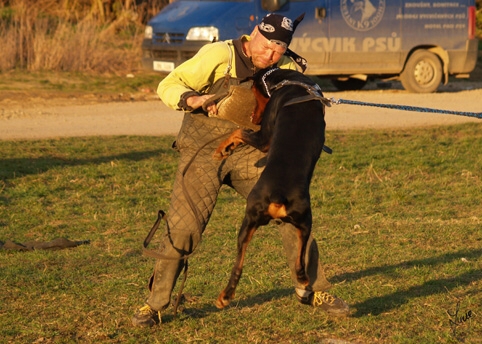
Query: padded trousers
197,183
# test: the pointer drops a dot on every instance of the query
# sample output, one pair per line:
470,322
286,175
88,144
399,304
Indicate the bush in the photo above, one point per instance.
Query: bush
81,36
101,36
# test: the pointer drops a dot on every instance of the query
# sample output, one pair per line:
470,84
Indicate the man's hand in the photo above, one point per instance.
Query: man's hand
197,101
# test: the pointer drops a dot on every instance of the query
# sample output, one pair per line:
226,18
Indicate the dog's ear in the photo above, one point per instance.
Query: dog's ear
297,21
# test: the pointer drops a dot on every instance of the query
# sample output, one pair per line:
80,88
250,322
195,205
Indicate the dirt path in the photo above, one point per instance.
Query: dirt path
39,118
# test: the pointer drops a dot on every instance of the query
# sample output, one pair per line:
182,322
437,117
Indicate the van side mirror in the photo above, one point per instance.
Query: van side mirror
273,5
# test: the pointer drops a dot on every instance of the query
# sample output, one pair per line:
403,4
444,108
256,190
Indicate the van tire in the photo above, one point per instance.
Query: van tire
350,84
422,73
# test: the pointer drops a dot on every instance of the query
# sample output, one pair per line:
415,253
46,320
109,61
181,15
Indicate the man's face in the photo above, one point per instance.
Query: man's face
264,52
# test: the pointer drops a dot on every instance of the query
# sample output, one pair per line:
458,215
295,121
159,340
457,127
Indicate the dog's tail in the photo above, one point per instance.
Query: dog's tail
277,205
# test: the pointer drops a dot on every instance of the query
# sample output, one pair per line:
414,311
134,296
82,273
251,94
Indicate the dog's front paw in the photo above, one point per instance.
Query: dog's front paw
223,151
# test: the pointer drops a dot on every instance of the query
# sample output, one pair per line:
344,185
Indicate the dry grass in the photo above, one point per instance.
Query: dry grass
99,36
76,36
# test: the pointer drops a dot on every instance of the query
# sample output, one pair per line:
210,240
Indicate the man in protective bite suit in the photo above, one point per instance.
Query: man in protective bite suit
214,70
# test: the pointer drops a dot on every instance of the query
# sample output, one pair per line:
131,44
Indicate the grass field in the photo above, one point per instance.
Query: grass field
397,215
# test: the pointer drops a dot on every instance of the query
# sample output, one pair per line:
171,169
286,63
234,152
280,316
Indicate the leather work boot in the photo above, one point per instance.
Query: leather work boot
331,304
146,317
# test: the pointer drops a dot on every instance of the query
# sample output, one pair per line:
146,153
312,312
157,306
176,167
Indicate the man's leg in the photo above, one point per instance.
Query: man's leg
315,294
197,183
314,268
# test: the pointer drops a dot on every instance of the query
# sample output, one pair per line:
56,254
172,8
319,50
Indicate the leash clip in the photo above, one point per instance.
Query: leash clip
335,101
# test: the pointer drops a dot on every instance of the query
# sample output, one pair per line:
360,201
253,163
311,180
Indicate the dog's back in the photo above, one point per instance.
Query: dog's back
296,134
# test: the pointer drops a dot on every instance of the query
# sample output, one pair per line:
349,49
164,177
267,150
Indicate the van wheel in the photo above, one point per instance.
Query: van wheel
422,73
348,84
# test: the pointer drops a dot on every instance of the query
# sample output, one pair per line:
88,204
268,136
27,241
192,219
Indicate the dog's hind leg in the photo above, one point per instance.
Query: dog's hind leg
244,237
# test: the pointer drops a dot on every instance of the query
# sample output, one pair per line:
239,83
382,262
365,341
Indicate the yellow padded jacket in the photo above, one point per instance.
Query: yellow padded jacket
205,68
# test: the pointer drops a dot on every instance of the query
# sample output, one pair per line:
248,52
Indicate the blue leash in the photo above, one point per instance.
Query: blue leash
406,108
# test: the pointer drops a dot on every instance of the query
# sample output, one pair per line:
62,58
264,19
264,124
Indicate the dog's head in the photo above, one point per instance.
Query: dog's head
266,81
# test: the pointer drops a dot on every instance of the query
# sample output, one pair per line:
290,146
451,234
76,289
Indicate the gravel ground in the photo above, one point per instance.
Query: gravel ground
30,116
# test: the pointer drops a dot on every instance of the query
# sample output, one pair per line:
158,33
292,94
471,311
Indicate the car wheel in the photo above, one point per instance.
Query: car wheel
422,72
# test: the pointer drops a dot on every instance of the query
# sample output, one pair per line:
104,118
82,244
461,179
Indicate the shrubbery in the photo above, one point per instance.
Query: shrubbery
102,36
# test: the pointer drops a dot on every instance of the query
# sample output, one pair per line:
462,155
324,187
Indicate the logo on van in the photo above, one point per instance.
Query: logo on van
362,15
166,38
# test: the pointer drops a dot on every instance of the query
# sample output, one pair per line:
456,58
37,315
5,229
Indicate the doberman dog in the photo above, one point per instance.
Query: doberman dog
291,110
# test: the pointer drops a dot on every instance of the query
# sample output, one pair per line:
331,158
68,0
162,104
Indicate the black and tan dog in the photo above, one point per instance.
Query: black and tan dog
291,109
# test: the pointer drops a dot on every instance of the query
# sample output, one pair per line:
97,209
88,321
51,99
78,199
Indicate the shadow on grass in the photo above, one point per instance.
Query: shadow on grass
15,168
391,269
373,306
385,303
206,309
382,304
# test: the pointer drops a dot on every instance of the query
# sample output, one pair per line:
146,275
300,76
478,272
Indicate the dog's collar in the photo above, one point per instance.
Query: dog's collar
263,80
314,92
311,89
